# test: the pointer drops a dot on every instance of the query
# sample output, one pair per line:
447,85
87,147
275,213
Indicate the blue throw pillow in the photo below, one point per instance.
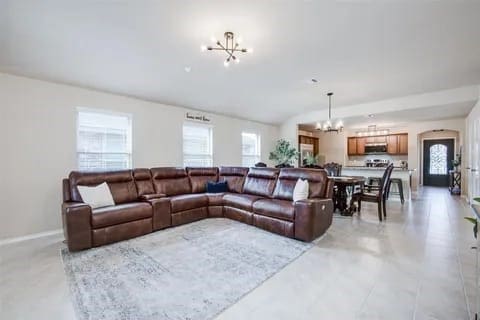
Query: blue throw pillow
217,187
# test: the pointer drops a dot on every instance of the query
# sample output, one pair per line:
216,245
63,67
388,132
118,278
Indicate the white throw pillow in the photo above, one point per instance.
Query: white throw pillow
300,192
98,196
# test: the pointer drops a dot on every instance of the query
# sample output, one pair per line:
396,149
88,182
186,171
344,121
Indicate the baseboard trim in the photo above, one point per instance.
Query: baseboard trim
29,237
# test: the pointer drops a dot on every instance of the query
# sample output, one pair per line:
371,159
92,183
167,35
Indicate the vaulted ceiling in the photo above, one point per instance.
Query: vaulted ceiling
362,50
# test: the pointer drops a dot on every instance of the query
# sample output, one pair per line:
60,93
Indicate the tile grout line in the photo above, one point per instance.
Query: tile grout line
457,254
364,302
419,285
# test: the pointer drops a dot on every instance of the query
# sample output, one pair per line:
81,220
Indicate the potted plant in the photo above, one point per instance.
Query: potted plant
310,161
474,220
457,162
283,154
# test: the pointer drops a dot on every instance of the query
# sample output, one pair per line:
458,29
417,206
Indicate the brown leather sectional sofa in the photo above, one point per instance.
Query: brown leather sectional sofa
148,200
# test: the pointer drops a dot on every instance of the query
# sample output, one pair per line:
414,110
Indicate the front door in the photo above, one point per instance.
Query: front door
437,161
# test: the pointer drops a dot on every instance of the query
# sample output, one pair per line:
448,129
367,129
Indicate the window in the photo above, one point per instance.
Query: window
250,149
104,140
438,159
197,145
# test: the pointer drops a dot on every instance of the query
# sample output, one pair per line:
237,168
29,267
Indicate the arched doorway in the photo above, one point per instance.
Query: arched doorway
437,161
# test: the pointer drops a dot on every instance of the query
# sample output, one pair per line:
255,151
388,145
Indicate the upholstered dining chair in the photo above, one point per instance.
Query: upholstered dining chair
376,193
333,169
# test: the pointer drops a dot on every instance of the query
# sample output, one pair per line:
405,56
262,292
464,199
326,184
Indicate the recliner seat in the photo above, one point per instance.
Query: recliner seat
148,200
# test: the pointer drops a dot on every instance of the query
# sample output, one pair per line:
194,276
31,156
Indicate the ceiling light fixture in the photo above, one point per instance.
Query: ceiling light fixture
229,47
373,131
327,126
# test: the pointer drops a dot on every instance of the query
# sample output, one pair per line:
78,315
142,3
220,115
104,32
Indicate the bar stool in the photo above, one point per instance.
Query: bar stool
373,181
399,184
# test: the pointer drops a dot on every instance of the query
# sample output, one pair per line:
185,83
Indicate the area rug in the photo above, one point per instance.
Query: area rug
192,272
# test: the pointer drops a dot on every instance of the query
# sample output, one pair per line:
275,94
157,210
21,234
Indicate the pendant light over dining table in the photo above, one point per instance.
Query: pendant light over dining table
328,126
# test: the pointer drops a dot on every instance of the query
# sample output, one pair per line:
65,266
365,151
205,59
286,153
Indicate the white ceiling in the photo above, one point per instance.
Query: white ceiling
362,50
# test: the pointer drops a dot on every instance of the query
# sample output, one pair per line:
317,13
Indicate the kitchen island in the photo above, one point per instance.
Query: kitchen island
404,174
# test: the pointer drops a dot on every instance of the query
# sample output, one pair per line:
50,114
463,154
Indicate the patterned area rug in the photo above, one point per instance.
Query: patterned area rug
192,272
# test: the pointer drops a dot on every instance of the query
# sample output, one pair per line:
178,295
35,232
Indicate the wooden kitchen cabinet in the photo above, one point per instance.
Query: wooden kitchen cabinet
361,146
392,144
402,144
352,146
397,144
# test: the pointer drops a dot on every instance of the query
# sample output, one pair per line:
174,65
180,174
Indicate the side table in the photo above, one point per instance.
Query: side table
455,182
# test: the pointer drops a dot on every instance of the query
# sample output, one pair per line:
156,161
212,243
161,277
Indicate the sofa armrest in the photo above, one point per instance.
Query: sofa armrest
329,189
152,196
312,218
76,217
162,217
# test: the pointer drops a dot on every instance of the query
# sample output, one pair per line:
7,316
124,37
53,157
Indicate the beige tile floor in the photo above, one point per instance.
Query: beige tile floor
416,265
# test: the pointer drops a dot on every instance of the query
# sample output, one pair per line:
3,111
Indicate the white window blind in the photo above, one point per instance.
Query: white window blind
197,145
250,149
104,140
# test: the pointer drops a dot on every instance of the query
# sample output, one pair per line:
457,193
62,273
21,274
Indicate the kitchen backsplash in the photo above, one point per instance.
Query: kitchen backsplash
360,160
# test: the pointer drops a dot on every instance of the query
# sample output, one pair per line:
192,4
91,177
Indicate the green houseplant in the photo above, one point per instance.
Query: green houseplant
474,220
457,162
283,154
310,161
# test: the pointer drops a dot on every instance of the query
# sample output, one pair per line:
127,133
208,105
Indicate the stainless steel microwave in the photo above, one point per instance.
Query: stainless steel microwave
375,148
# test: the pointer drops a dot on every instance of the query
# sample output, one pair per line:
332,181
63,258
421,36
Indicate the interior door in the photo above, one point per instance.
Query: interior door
437,161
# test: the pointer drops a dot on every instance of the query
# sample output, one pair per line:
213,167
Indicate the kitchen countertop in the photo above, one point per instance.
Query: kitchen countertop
376,168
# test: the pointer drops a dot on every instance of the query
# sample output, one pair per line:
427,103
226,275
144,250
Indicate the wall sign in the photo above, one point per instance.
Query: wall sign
196,117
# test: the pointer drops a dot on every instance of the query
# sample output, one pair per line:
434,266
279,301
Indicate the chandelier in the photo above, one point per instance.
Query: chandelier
230,47
327,126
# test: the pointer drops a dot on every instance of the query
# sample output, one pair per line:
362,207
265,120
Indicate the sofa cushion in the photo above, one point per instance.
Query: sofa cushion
96,197
274,208
143,181
199,177
121,184
240,201
300,192
288,177
217,187
234,176
261,181
215,199
109,216
188,201
171,181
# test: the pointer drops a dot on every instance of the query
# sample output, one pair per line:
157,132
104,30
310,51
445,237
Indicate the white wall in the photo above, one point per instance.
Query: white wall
38,144
471,141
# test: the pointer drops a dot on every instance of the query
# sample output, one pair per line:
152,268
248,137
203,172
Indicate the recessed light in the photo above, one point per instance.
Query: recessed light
188,69
371,115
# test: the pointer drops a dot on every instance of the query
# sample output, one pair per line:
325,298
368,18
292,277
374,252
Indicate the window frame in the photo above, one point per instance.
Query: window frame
258,155
199,125
106,112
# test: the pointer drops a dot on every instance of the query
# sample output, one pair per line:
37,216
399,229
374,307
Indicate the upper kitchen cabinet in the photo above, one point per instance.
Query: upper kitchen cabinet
403,143
356,146
392,144
352,146
361,146
396,144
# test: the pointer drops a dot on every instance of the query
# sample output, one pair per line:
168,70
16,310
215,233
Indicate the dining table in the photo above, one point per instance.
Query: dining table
345,185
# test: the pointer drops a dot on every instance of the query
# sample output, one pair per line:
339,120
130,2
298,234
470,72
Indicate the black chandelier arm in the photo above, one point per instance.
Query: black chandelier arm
221,46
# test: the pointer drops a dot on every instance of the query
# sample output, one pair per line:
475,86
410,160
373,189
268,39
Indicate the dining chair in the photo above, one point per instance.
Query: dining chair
375,193
333,169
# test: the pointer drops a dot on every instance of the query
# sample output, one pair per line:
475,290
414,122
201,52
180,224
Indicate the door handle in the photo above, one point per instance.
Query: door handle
474,170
